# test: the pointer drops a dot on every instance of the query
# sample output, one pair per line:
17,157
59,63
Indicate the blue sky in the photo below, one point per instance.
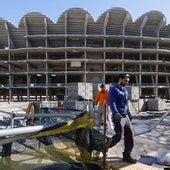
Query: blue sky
14,10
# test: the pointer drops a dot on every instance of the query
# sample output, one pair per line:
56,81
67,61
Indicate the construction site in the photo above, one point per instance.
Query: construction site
151,117
50,74
39,149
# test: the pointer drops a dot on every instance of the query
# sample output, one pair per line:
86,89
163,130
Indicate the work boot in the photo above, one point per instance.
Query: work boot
129,159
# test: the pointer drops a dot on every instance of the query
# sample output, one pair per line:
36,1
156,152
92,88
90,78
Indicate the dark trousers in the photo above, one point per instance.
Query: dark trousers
125,130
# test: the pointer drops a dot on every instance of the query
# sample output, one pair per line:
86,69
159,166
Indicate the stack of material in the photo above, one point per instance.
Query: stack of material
80,105
80,96
133,92
85,90
156,104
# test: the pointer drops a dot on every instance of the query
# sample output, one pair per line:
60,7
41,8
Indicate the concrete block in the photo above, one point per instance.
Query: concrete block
133,92
80,105
142,105
134,107
84,90
156,104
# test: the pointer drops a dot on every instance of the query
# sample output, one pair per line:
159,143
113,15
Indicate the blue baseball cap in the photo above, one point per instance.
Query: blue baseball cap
124,75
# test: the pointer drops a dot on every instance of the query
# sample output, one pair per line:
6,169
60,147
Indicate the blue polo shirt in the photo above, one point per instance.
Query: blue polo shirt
118,100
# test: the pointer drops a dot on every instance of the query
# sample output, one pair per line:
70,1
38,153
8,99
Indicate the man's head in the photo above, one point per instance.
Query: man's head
102,87
124,79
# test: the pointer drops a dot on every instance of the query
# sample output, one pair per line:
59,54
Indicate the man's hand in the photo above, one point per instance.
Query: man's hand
117,117
130,116
95,108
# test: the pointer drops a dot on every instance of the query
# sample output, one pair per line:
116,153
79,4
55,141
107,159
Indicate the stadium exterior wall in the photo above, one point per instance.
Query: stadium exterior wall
39,58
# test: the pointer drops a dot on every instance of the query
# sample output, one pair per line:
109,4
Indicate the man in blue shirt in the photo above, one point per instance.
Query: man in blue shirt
118,100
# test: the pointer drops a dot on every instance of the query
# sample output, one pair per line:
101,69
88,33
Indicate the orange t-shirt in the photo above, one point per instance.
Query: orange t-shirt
102,98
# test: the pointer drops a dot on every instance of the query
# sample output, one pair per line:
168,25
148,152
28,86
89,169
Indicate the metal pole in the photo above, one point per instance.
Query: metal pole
156,124
12,119
104,138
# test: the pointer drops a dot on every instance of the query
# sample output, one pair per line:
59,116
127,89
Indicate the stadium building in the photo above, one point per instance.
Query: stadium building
39,58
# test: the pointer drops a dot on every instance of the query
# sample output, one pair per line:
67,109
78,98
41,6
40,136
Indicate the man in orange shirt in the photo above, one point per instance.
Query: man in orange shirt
101,100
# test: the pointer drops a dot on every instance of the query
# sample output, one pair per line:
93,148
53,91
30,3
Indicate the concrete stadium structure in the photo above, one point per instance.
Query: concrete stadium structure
39,58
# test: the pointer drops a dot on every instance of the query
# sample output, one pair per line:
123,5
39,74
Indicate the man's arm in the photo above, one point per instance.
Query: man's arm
96,102
113,94
97,99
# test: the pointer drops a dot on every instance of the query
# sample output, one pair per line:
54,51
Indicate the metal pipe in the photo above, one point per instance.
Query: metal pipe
154,126
22,130
45,115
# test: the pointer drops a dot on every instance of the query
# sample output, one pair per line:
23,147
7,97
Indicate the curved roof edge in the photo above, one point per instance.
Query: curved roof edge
153,13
